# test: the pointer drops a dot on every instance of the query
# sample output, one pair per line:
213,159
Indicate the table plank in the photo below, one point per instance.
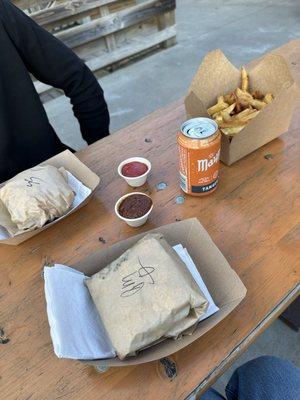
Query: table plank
253,217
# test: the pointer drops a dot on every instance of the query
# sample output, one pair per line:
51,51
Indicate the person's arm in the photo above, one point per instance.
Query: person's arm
53,63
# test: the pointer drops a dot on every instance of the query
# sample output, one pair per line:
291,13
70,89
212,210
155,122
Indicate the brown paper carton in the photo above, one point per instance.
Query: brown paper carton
222,282
217,76
71,163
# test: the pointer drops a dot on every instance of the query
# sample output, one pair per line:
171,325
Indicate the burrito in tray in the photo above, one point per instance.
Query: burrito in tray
146,295
34,197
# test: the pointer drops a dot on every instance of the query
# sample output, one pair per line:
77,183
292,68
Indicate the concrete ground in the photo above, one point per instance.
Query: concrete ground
278,340
243,30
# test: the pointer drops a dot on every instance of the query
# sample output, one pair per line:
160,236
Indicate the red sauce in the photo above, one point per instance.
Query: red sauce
134,169
135,206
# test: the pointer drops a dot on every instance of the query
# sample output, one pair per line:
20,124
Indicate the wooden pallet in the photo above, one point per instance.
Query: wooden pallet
105,32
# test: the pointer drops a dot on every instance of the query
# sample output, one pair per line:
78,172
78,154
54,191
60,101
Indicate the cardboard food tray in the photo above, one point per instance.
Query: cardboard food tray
217,76
71,163
224,285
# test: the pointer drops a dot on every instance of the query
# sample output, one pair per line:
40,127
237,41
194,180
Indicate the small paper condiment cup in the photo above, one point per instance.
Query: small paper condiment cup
134,222
139,180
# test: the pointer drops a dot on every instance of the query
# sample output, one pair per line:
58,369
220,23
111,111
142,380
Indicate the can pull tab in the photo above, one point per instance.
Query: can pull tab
199,128
169,368
196,131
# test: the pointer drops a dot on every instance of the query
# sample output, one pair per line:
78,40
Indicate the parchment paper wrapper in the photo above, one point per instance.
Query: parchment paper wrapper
83,182
34,197
147,294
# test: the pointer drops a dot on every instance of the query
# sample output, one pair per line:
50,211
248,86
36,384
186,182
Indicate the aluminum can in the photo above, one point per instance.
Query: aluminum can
199,143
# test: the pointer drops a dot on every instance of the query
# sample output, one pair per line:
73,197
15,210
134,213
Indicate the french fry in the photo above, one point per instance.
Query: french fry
226,113
245,80
243,96
238,106
234,110
244,99
268,98
221,105
257,95
218,118
246,115
230,98
243,113
258,104
250,116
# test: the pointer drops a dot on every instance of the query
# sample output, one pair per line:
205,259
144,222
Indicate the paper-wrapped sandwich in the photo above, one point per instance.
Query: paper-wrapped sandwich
34,197
146,295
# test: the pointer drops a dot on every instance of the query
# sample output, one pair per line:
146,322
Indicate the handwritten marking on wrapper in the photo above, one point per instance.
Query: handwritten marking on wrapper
32,181
199,144
134,282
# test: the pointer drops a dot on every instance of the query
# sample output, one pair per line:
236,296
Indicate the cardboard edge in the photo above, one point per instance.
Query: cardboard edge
134,238
231,150
86,176
194,106
235,279
190,225
229,147
210,60
271,58
115,362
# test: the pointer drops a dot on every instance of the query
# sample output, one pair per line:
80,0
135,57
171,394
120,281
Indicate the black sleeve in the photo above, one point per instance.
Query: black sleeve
53,63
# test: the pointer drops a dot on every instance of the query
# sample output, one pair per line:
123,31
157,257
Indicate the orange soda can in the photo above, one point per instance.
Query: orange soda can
199,143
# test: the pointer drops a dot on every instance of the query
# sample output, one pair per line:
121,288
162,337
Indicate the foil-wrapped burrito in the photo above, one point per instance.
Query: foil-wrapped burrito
146,295
33,198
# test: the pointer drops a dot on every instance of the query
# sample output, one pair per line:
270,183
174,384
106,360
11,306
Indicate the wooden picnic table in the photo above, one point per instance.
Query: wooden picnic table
253,217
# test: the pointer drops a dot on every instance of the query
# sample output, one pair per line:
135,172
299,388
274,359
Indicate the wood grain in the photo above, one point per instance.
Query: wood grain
110,40
111,23
101,23
164,21
122,53
253,217
67,9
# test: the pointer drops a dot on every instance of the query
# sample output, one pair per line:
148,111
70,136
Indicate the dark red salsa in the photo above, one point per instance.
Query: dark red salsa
135,206
134,169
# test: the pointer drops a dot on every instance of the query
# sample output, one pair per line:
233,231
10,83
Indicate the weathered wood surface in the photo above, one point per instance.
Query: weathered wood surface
25,4
67,9
106,19
109,39
114,22
166,20
253,217
120,54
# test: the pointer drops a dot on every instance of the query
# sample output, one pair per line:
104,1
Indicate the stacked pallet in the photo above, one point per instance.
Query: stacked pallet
105,32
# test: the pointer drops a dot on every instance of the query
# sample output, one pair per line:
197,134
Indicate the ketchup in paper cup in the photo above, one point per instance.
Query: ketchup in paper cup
135,170
134,208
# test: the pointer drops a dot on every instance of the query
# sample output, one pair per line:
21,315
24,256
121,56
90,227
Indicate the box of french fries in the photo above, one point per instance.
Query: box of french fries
252,105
